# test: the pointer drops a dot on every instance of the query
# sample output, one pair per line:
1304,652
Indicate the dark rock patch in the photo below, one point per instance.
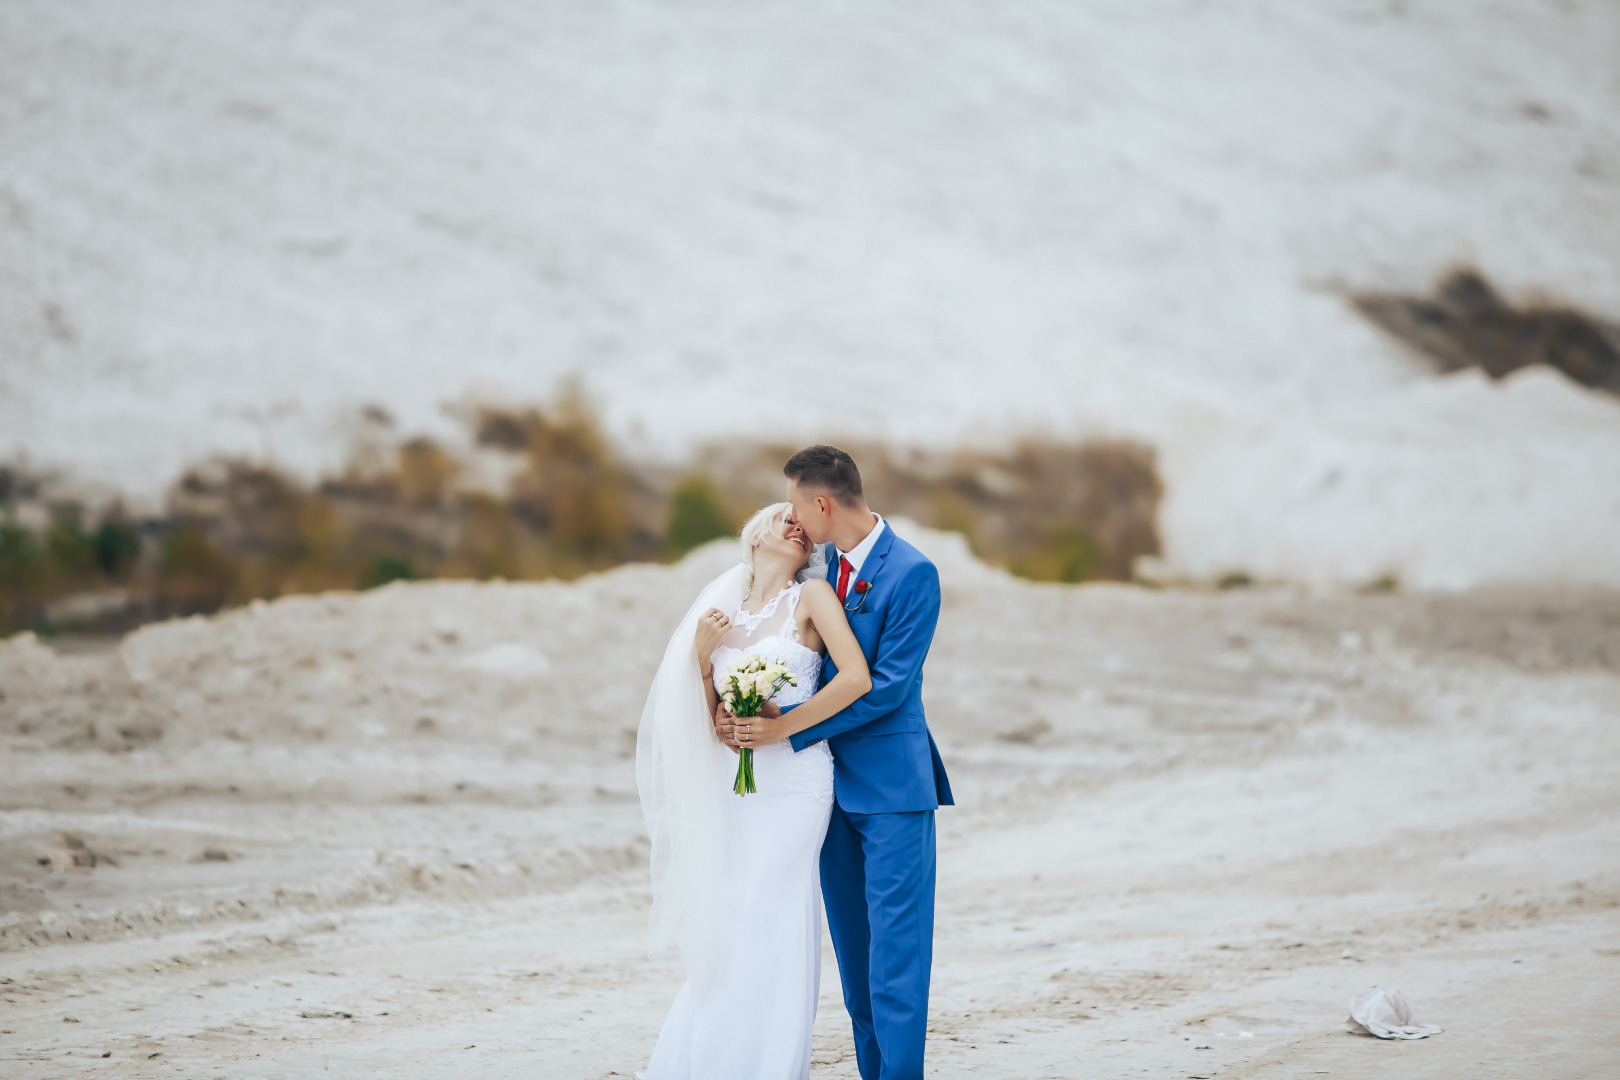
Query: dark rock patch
1466,324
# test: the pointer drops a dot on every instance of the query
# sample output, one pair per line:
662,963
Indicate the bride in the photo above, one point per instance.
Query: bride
749,1003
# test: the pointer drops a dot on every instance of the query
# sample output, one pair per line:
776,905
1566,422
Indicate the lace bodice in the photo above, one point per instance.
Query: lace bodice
772,632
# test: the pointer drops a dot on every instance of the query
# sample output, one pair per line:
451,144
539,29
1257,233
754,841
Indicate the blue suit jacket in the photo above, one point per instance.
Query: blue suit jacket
884,758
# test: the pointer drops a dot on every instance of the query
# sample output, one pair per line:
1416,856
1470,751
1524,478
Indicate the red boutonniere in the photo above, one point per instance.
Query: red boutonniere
860,589
862,586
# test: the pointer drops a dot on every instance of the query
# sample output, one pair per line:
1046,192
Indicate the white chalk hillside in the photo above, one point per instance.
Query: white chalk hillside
226,227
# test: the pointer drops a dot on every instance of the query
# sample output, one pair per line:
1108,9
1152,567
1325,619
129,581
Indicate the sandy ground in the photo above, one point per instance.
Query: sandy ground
396,835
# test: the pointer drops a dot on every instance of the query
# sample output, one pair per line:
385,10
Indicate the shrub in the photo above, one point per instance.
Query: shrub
72,552
1384,583
573,491
386,568
196,576
115,548
321,537
1068,555
426,472
493,542
21,566
696,515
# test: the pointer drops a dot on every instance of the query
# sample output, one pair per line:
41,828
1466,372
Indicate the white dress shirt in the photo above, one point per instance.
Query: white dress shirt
859,554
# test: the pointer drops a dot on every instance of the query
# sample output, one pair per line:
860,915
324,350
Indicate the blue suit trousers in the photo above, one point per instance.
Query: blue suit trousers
877,877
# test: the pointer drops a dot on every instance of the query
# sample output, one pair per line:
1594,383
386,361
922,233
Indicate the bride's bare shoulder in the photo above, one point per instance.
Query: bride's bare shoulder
816,590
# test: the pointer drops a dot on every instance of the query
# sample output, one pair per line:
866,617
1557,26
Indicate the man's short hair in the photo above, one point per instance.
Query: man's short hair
829,470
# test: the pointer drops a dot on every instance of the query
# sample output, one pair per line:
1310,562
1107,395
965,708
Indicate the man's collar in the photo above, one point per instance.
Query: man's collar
861,550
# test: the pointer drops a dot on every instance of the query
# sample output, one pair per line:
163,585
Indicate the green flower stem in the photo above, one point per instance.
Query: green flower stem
744,784
744,705
745,773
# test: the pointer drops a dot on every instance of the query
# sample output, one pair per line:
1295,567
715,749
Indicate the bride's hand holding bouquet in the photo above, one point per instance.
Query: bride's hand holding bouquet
746,691
725,726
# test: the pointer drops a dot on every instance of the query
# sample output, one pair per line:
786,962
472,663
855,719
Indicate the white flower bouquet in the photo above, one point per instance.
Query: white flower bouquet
750,682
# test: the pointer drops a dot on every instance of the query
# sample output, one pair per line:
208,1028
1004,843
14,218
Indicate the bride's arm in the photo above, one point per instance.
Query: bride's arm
853,678
711,629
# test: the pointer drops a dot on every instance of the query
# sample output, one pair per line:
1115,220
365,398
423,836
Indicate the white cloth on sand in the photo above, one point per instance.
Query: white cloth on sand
1386,1014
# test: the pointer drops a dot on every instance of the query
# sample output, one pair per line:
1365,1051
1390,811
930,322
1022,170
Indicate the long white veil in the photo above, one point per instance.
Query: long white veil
684,775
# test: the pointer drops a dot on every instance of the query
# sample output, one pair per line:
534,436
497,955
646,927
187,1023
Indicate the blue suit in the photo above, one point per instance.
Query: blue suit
877,864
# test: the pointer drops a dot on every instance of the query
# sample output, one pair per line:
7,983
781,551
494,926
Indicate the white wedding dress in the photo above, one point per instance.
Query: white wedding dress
749,1006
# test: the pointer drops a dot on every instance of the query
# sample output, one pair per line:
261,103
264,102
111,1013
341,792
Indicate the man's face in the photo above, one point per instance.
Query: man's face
809,512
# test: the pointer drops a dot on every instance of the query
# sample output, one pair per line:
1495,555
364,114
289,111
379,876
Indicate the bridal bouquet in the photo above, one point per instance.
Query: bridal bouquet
750,682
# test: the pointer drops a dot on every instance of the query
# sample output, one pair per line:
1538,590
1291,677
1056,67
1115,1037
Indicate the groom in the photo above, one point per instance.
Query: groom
877,863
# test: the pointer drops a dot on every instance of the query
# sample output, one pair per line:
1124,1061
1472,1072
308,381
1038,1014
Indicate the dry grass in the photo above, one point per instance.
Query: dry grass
1046,510
235,531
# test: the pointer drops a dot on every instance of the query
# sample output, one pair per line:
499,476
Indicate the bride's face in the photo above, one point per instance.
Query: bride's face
791,546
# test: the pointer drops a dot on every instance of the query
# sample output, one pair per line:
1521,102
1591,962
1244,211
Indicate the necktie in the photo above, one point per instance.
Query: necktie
845,568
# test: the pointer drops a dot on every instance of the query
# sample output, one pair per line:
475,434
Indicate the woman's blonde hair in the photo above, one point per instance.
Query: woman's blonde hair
772,519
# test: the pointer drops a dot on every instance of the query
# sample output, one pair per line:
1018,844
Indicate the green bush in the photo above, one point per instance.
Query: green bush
71,550
1075,554
21,565
386,568
1068,554
196,576
696,515
116,548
